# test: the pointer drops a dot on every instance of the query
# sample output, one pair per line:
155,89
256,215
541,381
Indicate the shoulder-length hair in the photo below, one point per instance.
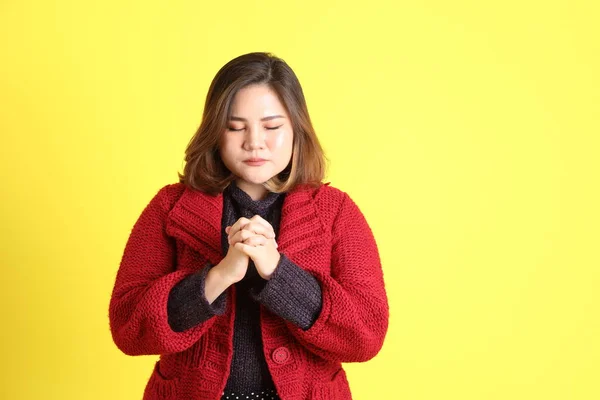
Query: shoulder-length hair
204,169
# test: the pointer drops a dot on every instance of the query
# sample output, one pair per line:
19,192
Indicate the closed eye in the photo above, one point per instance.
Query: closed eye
241,129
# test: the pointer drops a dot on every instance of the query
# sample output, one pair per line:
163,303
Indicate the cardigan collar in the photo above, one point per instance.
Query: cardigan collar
195,219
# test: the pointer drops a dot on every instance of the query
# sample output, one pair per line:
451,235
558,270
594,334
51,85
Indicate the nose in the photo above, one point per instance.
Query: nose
255,139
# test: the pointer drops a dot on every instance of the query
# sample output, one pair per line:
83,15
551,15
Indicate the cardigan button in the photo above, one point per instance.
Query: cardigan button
281,355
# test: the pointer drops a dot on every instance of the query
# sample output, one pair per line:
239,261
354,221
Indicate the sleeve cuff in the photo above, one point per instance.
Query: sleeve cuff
292,293
187,305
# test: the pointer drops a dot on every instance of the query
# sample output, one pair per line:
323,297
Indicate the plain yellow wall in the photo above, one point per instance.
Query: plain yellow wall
467,132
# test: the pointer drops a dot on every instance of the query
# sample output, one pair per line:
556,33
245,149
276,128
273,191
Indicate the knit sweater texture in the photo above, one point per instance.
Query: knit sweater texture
179,233
188,306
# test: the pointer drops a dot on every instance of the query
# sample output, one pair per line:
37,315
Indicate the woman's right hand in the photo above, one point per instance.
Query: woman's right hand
234,265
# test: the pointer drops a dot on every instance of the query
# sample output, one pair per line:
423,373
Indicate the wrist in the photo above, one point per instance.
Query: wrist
220,275
230,271
268,274
215,284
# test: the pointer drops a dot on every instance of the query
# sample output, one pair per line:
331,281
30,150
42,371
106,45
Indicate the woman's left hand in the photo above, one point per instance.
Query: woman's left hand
256,238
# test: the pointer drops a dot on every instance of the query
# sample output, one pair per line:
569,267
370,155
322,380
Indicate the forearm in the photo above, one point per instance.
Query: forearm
215,283
197,298
292,293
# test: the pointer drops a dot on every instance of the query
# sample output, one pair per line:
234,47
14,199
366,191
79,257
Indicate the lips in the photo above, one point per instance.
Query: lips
255,161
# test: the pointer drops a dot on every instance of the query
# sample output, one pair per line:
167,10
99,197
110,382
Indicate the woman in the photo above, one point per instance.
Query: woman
251,278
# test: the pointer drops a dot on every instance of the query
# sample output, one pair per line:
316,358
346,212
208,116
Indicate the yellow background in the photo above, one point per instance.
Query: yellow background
466,131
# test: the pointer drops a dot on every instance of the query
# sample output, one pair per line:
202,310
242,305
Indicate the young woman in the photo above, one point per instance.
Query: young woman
250,277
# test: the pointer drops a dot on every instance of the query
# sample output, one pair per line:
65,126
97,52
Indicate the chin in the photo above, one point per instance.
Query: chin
258,179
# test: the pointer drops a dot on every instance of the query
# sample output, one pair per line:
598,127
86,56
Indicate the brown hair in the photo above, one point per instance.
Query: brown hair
204,169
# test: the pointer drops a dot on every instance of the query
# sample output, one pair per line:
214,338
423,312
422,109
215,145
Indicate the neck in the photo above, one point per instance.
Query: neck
255,191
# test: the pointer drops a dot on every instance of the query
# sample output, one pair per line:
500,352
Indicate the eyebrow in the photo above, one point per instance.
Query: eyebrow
270,117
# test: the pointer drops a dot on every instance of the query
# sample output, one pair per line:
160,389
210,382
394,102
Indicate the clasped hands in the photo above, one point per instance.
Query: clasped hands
254,239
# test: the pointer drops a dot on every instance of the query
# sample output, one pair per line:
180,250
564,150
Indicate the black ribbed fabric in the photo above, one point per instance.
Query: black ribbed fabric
187,305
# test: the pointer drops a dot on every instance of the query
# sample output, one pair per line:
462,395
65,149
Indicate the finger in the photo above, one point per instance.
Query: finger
259,240
257,218
241,236
241,247
260,229
248,250
239,224
256,240
261,220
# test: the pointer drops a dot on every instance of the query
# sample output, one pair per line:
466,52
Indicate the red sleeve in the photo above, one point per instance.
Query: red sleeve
147,273
354,317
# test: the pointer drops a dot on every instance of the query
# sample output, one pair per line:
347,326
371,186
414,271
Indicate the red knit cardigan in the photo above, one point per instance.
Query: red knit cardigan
179,232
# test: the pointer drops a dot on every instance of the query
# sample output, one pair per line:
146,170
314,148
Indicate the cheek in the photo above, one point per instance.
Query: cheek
281,140
228,144
227,153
